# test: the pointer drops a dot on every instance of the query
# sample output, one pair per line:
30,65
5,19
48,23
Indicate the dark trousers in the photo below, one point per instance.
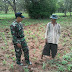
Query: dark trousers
50,47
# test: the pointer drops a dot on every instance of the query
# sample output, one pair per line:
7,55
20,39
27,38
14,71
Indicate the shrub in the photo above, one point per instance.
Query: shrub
41,8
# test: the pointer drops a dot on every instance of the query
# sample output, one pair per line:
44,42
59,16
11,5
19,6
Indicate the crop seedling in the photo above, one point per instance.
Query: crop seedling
30,31
51,62
65,52
64,62
13,58
57,64
70,59
27,40
26,69
39,47
3,36
11,65
61,68
70,48
58,55
7,56
35,58
4,62
34,51
6,43
44,65
69,67
43,38
66,57
33,36
25,31
3,48
12,50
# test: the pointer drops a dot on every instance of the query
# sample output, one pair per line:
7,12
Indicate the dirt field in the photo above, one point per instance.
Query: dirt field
34,35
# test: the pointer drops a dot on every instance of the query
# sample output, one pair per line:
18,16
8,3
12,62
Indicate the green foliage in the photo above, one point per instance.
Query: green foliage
64,39
65,52
58,55
34,51
64,62
26,69
4,62
61,68
34,58
66,57
11,65
44,65
64,6
40,47
13,58
41,8
69,67
3,48
7,56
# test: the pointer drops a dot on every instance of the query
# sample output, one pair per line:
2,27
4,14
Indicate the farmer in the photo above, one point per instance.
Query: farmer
19,40
51,37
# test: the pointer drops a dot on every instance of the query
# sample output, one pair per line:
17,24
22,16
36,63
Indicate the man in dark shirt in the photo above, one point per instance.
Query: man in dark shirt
19,40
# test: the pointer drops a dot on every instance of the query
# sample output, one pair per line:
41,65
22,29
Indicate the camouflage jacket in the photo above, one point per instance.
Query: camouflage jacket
16,31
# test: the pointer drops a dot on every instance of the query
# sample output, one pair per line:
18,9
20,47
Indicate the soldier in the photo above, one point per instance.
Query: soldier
19,40
51,37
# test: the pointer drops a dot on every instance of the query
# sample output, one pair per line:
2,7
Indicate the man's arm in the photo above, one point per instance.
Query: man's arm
59,30
46,34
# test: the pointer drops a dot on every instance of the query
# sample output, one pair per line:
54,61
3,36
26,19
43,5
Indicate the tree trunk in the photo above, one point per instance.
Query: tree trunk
65,13
13,6
6,10
70,11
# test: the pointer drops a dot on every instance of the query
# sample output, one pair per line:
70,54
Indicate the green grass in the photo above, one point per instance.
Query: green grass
62,14
10,15
7,19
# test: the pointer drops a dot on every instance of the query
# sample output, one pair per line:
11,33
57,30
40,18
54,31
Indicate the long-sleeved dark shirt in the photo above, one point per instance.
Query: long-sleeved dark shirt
16,31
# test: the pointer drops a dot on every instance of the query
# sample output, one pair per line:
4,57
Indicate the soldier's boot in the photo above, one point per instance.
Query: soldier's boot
28,62
19,62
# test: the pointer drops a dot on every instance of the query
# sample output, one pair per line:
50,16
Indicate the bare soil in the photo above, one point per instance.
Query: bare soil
35,40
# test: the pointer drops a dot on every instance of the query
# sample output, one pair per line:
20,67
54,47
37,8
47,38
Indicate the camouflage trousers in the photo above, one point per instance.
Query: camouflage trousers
18,51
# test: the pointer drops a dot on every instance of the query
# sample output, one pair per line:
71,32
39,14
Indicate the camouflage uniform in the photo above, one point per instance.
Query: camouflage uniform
18,37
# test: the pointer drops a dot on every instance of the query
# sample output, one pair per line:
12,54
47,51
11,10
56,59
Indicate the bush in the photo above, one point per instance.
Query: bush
41,8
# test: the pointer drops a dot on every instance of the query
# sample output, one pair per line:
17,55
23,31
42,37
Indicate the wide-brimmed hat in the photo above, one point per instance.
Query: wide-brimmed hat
19,14
54,16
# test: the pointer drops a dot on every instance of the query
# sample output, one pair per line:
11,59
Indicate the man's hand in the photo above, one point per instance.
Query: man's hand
19,45
46,41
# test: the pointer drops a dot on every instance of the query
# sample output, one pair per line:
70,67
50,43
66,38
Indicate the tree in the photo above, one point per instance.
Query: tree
70,6
60,6
1,5
5,6
12,3
40,8
21,5
65,6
